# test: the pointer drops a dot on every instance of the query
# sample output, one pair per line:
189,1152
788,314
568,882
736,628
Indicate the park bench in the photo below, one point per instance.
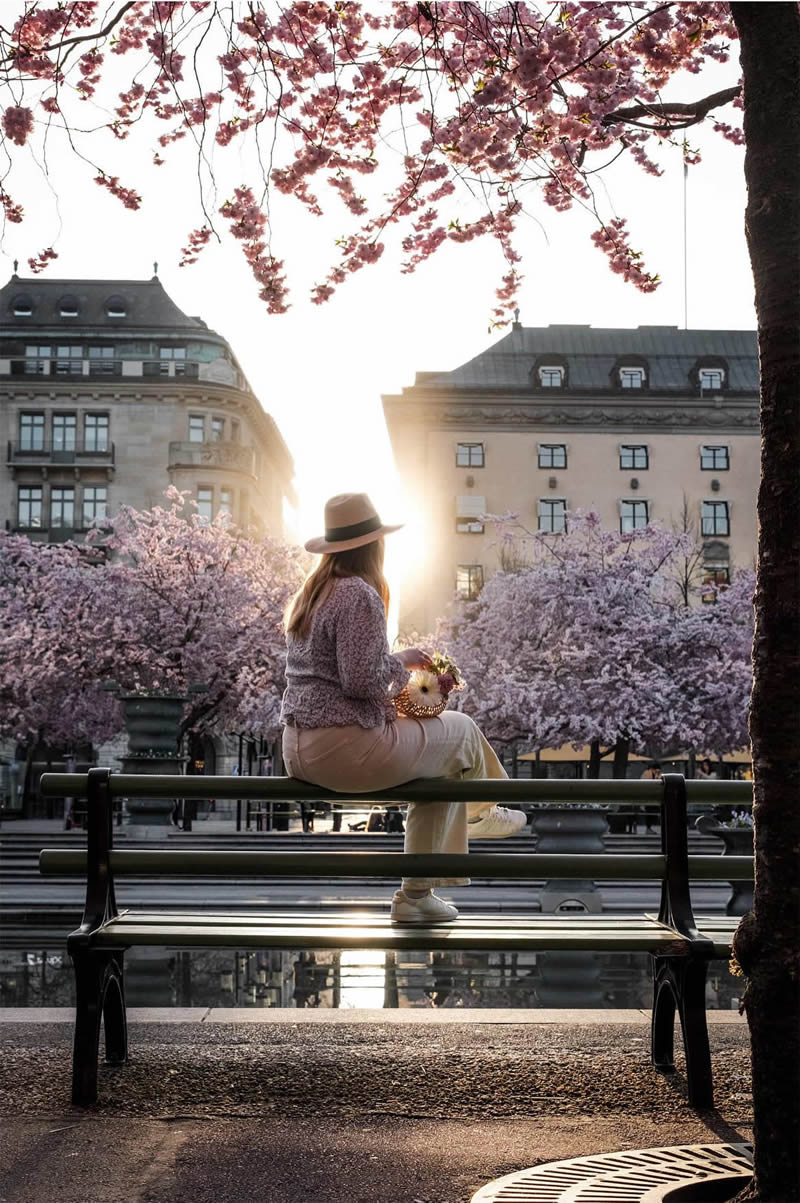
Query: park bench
679,944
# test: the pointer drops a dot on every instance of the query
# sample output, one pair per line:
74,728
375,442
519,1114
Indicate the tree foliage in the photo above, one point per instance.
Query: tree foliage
173,601
589,639
467,109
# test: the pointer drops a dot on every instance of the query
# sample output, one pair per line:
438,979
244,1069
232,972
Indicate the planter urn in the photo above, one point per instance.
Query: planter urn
152,723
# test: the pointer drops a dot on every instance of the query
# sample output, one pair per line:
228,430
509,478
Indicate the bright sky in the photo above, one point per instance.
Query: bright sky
320,371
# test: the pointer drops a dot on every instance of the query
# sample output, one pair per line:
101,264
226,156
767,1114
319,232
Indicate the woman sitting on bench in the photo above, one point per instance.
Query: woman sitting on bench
340,728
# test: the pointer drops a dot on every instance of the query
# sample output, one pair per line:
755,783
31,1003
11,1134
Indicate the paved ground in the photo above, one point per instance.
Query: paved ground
355,1109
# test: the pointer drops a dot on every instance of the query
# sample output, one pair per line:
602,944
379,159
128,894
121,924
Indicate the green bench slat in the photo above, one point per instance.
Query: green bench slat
332,932
513,790
361,919
536,865
719,929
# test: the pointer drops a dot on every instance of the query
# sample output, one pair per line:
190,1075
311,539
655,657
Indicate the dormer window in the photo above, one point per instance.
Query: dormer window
22,306
116,307
632,376
551,375
68,306
712,380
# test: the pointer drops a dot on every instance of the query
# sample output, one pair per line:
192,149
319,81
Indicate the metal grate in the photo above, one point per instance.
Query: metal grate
634,1176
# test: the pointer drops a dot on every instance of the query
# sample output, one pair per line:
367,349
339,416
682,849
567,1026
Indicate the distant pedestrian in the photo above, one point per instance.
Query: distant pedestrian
307,815
394,820
705,771
376,820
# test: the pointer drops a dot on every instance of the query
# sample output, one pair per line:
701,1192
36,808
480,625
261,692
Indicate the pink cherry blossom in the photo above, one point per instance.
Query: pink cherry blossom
468,108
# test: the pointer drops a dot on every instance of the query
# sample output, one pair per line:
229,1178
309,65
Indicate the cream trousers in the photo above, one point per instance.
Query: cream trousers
355,759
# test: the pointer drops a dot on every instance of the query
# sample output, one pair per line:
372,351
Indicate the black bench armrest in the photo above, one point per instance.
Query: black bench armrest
676,902
101,904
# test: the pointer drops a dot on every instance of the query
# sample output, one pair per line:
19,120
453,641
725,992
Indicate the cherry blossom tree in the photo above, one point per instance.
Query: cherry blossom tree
172,601
185,601
580,645
49,692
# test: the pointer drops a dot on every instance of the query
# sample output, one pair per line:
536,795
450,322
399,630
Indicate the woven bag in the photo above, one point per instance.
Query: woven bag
403,705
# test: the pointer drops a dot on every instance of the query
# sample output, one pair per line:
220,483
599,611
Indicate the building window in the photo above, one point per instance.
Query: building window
65,428
22,306
552,455
68,306
205,502
31,432
37,360
29,506
470,455
174,355
714,459
711,379
633,515
62,507
552,515
69,361
715,518
551,376
95,502
197,428
102,361
632,377
217,430
235,430
116,306
469,581
716,576
634,457
469,511
95,432
225,501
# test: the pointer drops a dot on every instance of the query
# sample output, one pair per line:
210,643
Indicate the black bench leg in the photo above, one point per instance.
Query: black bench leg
99,994
692,1009
663,1018
115,1024
680,983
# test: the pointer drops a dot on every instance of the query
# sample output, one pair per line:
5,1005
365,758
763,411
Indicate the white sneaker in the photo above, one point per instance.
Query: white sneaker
496,823
428,909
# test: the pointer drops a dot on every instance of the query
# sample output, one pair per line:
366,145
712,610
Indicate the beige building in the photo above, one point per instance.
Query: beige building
108,394
642,425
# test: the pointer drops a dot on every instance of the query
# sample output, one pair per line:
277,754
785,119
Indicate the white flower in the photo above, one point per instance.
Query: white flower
423,689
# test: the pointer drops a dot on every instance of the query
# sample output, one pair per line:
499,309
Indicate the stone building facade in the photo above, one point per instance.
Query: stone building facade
653,424
108,394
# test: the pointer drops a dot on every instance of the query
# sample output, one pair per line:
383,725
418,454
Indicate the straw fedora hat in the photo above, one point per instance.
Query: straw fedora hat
351,520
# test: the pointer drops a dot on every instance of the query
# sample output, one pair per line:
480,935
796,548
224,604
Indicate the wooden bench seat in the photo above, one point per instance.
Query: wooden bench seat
597,933
680,947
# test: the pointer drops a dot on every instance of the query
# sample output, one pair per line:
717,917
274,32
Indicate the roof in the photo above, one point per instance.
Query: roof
593,354
147,305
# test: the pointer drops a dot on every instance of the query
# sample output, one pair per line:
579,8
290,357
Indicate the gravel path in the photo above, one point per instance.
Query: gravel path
470,1071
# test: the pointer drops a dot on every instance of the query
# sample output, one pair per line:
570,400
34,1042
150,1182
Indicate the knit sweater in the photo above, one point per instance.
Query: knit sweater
341,672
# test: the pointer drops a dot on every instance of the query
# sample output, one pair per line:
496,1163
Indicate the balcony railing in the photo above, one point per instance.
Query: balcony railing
49,453
218,371
233,456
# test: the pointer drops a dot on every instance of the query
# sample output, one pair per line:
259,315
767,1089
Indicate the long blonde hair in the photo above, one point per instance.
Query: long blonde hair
366,562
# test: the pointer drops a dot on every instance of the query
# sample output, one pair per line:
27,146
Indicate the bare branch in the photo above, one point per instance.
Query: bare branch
686,114
89,37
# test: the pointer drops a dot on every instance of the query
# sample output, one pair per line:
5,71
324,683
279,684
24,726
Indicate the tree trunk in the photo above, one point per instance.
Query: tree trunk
767,943
621,752
594,759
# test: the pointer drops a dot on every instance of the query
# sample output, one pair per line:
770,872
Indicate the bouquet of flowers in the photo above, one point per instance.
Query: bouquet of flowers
428,689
